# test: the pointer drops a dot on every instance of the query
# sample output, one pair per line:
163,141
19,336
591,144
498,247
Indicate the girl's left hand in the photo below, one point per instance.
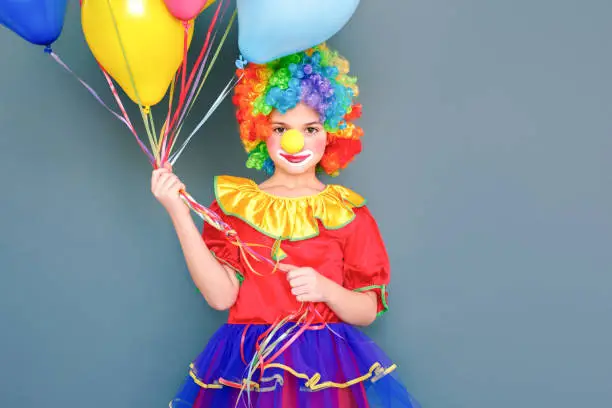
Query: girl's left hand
307,285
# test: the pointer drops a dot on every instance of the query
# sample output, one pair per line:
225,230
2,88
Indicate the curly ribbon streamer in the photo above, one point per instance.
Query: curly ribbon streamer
189,85
211,218
267,350
123,118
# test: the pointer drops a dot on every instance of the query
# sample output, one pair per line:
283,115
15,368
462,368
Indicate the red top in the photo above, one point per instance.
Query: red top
354,256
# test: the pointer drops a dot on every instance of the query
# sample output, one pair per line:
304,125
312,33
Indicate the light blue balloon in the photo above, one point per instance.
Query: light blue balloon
37,21
270,29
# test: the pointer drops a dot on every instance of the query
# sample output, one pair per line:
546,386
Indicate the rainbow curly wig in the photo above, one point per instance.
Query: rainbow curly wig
317,77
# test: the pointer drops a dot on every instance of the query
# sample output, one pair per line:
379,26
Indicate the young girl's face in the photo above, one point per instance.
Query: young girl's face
298,139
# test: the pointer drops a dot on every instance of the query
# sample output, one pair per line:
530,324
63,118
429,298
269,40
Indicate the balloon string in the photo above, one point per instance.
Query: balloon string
186,25
145,111
207,215
166,127
149,115
228,89
266,343
212,63
199,59
113,90
165,131
57,59
159,144
178,126
213,219
182,74
191,103
124,119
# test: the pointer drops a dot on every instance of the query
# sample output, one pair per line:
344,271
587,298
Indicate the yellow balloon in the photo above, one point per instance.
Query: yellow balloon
292,141
208,3
153,41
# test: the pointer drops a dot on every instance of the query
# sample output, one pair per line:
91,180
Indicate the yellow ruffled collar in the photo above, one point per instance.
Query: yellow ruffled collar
286,218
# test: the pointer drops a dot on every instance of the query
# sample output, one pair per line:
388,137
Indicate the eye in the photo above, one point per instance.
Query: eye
279,130
311,130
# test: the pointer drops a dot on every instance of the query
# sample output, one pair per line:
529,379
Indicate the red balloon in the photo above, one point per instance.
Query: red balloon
186,10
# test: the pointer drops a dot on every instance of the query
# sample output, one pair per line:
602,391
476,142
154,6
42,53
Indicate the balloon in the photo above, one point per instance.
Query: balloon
186,10
152,38
37,21
270,29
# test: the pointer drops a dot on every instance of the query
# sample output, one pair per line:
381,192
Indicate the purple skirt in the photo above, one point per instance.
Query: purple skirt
336,366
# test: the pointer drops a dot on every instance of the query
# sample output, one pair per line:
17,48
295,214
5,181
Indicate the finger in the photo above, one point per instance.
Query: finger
305,298
302,290
173,186
286,267
297,273
168,181
155,176
164,182
178,187
157,182
299,281
160,179
168,166
160,170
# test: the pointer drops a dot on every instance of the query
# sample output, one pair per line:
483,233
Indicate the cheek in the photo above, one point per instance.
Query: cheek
318,145
273,144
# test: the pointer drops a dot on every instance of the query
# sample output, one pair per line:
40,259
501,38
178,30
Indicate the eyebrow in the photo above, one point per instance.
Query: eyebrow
306,124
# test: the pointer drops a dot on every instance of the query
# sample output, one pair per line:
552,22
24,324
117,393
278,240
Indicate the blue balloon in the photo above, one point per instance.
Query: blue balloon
37,21
270,29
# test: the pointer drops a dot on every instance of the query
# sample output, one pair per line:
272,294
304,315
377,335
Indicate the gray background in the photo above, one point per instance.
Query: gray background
486,163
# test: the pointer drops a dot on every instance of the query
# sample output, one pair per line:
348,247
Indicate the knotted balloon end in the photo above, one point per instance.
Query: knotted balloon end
241,63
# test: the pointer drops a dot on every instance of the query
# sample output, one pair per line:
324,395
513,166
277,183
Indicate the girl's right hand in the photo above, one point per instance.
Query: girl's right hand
165,186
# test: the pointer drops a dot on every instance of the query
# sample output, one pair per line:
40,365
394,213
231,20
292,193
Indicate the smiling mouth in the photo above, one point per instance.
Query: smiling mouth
296,158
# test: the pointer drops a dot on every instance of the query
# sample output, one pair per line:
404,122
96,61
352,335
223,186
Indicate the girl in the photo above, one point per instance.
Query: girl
290,339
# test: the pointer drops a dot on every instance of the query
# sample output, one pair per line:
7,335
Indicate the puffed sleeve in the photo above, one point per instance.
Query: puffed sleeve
225,252
366,263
